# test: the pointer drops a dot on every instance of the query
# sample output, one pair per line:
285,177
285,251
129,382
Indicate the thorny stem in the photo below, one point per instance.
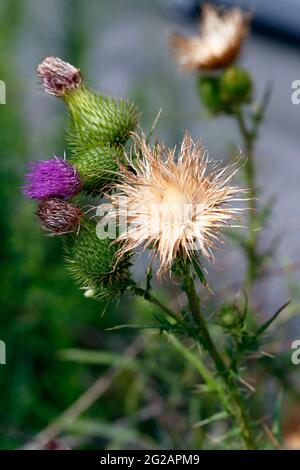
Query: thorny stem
238,413
249,137
147,295
236,409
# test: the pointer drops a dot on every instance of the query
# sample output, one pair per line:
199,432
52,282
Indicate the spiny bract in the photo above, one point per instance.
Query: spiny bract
94,265
99,119
98,166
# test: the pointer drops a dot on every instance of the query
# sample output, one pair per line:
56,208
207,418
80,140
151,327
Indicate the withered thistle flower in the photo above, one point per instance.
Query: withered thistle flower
218,43
58,216
173,205
51,178
58,77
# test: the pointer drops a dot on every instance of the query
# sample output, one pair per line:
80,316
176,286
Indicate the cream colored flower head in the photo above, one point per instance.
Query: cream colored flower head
218,43
173,204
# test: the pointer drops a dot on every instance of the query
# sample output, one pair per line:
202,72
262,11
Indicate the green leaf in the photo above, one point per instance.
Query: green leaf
195,361
265,325
216,417
199,272
276,428
122,434
149,276
97,357
130,326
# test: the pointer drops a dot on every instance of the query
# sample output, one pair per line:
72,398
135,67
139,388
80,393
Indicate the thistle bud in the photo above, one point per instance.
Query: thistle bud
94,264
97,119
230,315
209,91
58,216
235,86
58,77
51,178
97,166
96,122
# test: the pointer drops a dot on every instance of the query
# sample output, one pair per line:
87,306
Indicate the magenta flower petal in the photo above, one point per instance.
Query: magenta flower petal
51,178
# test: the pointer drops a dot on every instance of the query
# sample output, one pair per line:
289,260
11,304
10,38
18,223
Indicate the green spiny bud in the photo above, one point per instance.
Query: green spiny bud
94,264
97,166
209,91
99,119
230,315
99,125
235,86
95,118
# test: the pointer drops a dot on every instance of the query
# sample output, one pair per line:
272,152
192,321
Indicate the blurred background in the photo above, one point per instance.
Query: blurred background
57,342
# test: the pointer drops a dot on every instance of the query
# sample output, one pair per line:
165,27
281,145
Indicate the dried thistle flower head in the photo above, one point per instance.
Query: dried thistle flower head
218,43
58,77
171,204
58,216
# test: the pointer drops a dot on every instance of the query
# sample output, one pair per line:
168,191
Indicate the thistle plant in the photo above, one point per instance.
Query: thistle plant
98,129
99,125
226,88
175,205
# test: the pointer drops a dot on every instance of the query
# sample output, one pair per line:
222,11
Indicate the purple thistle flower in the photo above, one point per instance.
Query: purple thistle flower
51,178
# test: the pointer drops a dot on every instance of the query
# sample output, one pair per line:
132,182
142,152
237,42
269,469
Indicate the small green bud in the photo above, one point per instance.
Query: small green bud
94,265
230,315
209,91
235,86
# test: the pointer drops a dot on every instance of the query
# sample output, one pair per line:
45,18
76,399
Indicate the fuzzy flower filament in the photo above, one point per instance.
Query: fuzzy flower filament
173,205
51,178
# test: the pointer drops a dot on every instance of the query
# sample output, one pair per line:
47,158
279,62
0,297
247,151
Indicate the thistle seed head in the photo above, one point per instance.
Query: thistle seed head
173,205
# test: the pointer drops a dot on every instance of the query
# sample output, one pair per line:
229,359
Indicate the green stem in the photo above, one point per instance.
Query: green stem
233,405
250,180
238,412
213,384
147,295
